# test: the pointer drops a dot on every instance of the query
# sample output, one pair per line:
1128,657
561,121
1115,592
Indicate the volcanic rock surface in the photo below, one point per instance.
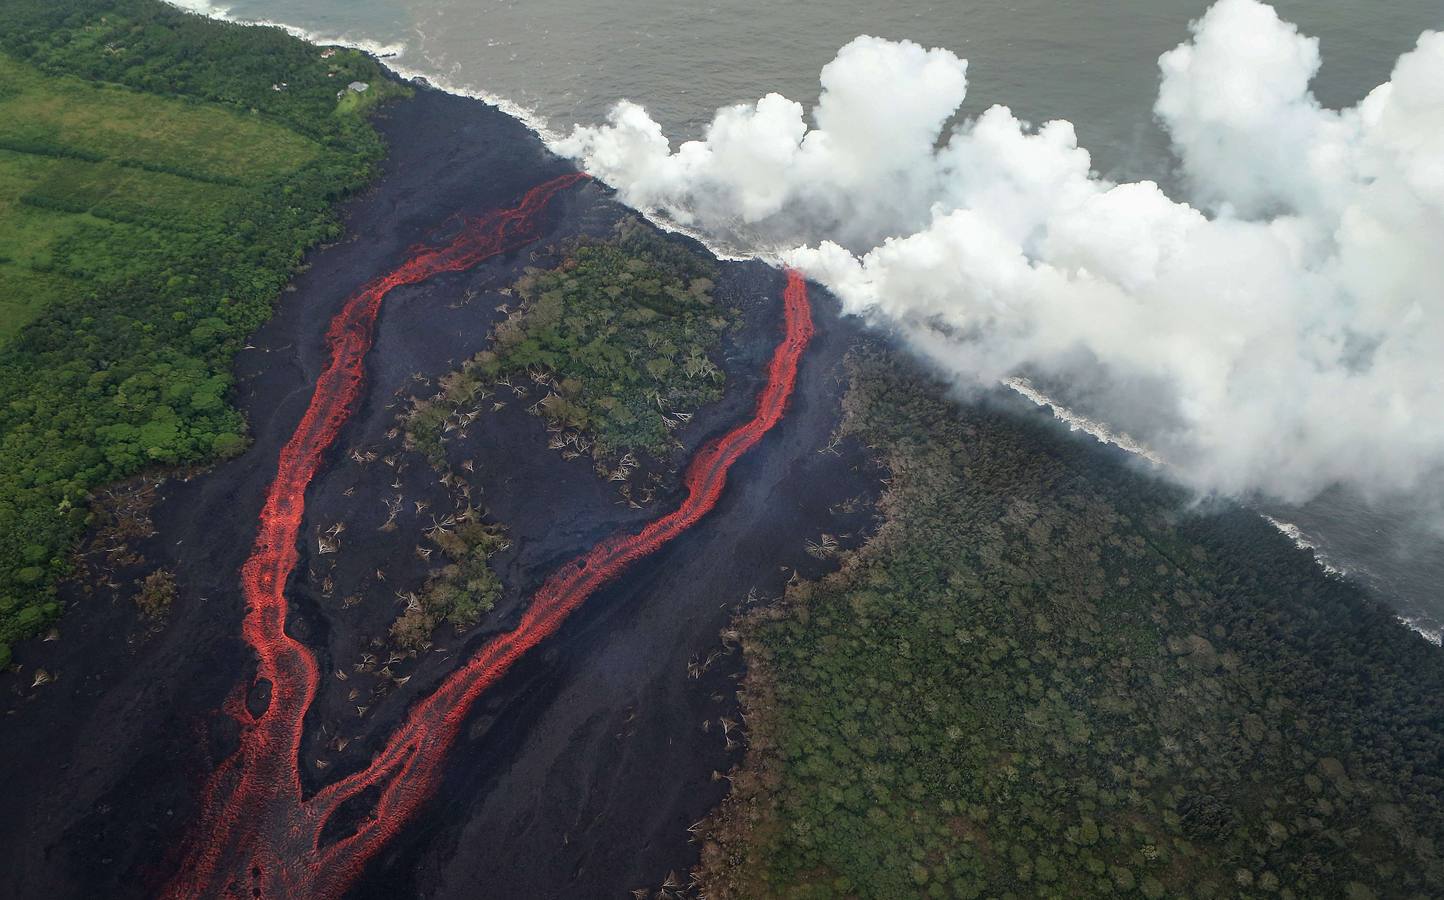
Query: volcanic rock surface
580,770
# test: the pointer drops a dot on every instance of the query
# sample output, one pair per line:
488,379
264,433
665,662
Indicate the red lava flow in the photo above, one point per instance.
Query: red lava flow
258,834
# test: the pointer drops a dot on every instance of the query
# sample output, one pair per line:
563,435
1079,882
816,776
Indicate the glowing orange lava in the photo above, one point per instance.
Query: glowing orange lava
259,835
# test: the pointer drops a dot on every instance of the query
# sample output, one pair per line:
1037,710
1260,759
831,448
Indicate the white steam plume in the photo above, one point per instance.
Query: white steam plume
1284,334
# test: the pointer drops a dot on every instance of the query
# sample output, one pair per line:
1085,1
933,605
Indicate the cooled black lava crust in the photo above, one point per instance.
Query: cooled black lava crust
582,768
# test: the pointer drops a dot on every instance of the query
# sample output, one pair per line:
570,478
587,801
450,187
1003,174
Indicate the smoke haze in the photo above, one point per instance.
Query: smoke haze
1280,332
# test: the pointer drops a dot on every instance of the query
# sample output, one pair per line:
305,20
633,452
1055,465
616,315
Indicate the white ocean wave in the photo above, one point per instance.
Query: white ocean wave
1427,629
1431,633
1295,534
201,7
378,49
1078,422
538,125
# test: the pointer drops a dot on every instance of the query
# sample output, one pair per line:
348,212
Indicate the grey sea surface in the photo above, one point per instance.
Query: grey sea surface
1093,62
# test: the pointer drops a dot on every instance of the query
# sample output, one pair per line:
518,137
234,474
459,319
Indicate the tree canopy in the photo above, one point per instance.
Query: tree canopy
1047,676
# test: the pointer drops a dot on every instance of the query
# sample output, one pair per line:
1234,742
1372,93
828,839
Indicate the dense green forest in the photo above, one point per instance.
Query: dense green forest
161,176
1045,676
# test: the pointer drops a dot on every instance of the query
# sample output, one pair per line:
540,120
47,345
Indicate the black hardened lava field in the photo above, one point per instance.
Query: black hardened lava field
187,743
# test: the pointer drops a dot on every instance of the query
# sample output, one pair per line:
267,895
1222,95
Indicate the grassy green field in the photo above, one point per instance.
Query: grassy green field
109,168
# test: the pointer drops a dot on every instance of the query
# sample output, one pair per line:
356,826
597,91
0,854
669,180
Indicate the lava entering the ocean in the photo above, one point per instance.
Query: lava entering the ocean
259,835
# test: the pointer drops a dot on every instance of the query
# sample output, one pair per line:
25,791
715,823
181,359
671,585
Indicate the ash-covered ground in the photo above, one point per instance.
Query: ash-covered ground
583,768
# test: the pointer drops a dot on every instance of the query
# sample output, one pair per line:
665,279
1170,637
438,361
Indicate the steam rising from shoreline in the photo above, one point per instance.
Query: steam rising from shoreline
1281,334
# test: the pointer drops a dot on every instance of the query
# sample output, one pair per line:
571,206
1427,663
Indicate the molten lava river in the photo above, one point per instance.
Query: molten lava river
258,834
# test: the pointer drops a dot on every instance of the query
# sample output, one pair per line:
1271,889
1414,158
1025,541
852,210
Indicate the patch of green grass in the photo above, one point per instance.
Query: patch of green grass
25,293
107,172
358,103
31,235
121,194
67,117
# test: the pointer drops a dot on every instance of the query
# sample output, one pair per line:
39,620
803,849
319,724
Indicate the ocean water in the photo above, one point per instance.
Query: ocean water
1093,62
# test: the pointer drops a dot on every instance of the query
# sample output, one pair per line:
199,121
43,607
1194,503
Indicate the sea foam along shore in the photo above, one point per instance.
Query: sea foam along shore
1104,435
223,13
1295,534
1077,422
394,57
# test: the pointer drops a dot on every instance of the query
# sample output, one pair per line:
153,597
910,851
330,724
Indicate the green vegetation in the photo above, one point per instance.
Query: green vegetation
161,176
157,593
619,336
625,328
1041,678
428,420
461,592
96,180
155,48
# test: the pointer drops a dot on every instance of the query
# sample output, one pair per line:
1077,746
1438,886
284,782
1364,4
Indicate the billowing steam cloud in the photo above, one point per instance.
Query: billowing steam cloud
1283,334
